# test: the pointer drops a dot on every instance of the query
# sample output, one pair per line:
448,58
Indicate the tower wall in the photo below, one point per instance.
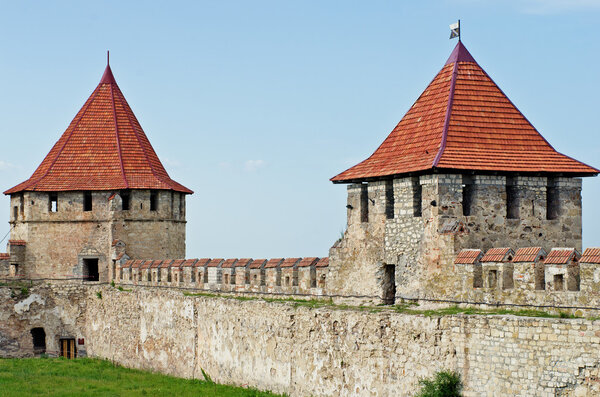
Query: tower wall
428,226
58,242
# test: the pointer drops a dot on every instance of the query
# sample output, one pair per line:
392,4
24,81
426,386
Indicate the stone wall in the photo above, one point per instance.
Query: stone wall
327,351
58,241
58,308
418,224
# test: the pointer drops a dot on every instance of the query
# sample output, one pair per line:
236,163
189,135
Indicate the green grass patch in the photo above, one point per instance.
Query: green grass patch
406,307
93,377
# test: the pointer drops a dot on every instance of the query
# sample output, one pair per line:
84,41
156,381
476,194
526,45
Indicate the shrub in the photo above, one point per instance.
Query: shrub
443,384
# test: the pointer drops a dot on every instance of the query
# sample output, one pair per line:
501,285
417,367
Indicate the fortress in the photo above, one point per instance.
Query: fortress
463,202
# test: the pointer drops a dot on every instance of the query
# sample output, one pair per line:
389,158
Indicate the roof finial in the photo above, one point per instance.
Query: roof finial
108,57
455,30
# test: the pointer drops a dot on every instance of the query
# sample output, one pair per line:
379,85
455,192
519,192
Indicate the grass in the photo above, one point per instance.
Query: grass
93,377
405,307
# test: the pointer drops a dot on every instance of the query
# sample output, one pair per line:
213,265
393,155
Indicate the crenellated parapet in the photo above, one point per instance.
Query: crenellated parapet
528,276
293,276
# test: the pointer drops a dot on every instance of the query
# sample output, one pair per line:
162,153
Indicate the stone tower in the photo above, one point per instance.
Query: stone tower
101,194
463,169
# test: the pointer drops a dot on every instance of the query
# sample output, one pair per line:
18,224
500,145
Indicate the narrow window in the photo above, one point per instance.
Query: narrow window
364,203
125,200
227,279
559,282
181,204
477,276
205,276
278,277
158,274
540,275
121,273
199,276
169,275
15,212
247,277
417,197
313,277
389,199
492,279
232,279
508,277
114,269
389,284
149,275
153,200
512,199
87,201
53,202
193,275
552,200
467,195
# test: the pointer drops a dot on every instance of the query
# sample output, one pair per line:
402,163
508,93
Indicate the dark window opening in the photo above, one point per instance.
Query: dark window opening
67,348
90,269
169,275
247,277
262,277
114,269
508,277
158,274
149,275
389,284
125,199
53,202
15,212
193,276
364,203
389,199
153,200
492,279
552,200
468,191
512,199
232,279
205,276
477,276
540,275
313,277
573,279
278,278
417,197
559,282
87,201
287,281
39,340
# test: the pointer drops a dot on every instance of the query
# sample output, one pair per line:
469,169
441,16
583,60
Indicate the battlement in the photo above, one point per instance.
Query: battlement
528,275
278,275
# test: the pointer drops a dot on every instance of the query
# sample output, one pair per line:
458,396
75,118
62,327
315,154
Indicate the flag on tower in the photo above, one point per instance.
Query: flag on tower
455,30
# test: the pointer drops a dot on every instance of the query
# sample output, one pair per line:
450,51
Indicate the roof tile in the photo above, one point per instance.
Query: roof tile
590,255
468,256
463,121
104,148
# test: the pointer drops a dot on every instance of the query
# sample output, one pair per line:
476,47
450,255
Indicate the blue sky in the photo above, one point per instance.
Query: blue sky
254,105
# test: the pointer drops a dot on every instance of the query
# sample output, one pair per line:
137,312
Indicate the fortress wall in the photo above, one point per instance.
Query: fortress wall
326,351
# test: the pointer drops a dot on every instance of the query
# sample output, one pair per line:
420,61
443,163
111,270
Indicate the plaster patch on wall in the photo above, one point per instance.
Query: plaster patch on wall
23,306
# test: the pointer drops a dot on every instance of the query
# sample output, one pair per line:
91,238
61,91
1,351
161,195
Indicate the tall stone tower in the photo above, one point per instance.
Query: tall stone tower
100,194
463,169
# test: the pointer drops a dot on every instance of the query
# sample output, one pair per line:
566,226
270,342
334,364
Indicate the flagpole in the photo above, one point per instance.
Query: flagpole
459,32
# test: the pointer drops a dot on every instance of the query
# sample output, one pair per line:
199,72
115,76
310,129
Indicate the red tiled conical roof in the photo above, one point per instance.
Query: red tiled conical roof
463,121
104,148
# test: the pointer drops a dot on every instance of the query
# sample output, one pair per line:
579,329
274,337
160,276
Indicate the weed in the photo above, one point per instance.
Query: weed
99,294
443,384
112,283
